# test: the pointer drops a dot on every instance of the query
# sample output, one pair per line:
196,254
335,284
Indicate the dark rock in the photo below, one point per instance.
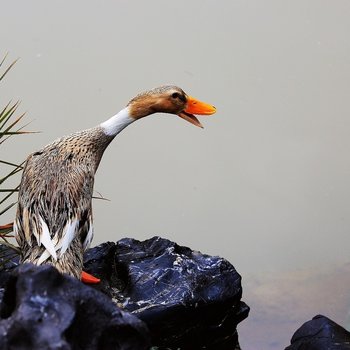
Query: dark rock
320,333
9,260
100,262
188,300
42,309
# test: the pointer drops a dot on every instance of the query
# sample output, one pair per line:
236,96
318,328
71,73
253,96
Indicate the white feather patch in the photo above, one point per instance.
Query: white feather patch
89,237
117,123
15,228
46,239
44,256
67,236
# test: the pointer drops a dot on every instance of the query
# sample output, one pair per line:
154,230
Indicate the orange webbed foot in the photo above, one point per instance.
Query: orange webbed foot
89,279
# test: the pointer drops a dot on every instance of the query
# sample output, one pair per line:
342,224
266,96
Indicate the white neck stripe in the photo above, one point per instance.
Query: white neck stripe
114,125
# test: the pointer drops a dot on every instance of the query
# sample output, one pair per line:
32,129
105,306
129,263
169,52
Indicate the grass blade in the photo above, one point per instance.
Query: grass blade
10,125
7,113
11,173
6,197
11,164
7,208
8,68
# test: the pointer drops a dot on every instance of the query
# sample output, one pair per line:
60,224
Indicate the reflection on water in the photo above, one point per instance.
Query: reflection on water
281,302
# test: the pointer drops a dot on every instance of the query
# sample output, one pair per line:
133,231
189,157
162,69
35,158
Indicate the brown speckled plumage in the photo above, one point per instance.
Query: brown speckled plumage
57,185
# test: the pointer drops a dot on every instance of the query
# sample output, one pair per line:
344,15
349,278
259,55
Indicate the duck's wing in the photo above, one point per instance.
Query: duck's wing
54,205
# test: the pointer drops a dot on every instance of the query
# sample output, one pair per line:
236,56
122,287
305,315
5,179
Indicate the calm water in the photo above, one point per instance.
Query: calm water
265,184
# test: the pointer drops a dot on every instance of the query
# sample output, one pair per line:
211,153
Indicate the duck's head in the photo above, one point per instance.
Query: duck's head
169,99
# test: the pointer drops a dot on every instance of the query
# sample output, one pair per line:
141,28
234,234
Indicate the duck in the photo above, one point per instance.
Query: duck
54,219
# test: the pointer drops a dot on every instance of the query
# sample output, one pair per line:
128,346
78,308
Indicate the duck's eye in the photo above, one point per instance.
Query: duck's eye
175,95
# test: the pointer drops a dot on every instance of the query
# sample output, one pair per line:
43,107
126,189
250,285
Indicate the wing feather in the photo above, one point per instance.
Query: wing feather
26,225
54,203
89,236
46,239
70,232
36,234
43,257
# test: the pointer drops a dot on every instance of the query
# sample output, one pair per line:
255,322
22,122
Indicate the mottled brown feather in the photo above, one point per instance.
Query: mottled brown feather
57,185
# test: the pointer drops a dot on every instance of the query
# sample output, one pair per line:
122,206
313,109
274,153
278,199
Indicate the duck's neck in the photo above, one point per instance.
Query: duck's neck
114,125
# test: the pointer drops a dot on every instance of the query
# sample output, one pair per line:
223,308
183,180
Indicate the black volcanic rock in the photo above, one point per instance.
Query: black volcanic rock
320,333
188,300
42,309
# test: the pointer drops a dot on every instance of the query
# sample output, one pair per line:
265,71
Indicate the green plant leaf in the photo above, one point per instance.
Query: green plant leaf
8,68
10,125
9,163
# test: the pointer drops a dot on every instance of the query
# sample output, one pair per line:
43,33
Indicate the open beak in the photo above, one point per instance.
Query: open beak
196,107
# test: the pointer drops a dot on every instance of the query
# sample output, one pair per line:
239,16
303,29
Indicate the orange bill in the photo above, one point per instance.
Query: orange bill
195,106
89,279
198,107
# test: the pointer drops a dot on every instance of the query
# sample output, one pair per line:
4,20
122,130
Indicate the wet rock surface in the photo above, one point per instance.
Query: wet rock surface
320,333
42,309
188,300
